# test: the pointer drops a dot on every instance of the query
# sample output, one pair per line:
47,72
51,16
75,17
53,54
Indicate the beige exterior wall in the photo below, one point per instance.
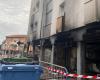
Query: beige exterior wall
81,12
30,18
74,13
56,14
35,19
90,11
40,18
78,13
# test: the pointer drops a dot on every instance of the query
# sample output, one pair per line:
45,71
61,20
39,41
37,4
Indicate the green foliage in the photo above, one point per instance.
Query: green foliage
17,60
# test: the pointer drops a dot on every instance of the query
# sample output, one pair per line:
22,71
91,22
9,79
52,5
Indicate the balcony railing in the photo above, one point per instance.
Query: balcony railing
46,30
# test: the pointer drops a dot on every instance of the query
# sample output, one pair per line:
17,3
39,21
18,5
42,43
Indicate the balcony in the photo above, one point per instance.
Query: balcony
46,30
59,24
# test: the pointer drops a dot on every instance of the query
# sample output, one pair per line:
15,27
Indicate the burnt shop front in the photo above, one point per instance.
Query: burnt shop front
92,50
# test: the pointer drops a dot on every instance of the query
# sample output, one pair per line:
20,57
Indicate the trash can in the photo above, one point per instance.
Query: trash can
20,72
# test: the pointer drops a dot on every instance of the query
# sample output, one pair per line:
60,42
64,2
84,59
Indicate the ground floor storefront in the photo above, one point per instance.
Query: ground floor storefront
77,50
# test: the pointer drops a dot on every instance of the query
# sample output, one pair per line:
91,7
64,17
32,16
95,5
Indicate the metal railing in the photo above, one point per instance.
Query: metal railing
49,75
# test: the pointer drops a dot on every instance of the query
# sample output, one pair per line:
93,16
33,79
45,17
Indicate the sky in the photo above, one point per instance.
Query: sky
14,17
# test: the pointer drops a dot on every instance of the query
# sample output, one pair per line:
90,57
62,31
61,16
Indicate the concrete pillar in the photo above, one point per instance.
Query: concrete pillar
52,53
66,54
41,58
53,47
80,58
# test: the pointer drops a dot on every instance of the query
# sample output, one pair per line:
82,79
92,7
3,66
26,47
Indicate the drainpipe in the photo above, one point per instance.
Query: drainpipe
42,1
41,41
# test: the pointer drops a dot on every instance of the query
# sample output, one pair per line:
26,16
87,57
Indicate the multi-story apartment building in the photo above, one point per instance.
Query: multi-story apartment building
66,32
13,44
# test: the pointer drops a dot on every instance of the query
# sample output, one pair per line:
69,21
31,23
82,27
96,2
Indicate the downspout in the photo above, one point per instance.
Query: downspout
41,18
41,42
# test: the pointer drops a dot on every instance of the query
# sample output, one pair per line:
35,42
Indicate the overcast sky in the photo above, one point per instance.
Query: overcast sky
14,16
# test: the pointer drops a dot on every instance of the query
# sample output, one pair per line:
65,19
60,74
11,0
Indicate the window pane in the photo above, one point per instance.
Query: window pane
49,7
49,17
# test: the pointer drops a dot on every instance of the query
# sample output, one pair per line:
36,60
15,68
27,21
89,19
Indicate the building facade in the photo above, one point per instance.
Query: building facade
66,32
13,44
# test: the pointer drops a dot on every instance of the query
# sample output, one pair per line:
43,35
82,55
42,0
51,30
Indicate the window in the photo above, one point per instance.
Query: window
61,10
48,1
48,18
90,11
34,22
49,12
36,5
49,7
31,24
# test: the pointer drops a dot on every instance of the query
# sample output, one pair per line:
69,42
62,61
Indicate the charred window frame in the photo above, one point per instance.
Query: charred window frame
49,9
